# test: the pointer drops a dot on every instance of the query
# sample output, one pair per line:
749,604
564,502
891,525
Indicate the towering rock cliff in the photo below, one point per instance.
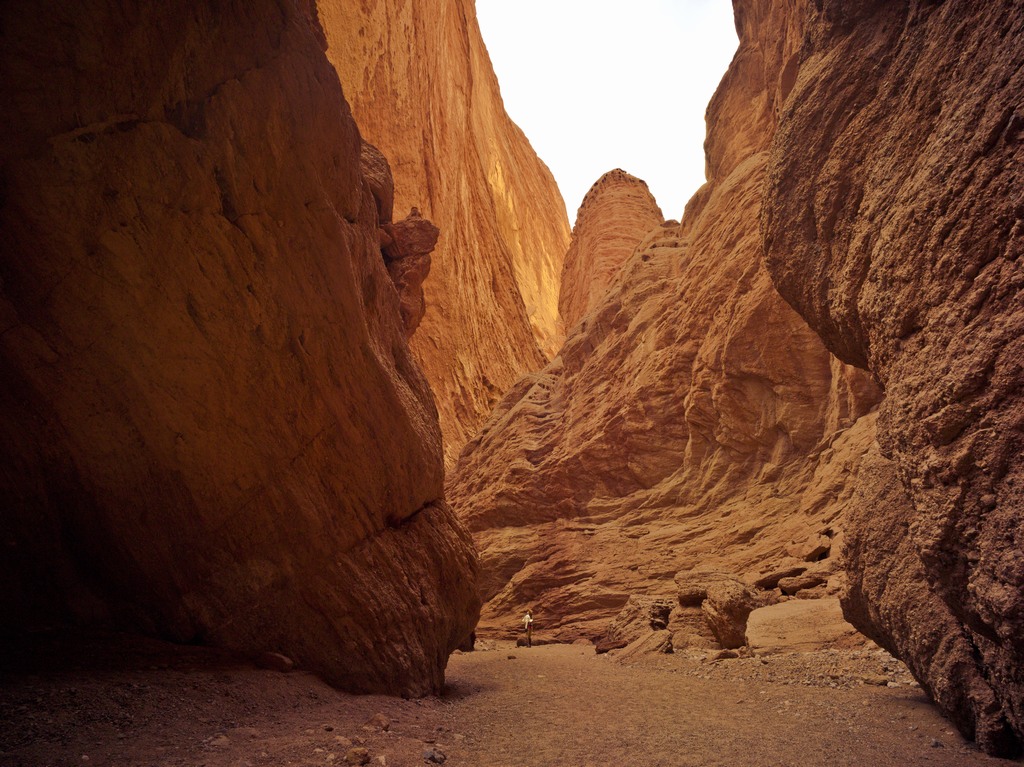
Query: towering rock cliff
615,215
422,90
692,420
894,222
211,427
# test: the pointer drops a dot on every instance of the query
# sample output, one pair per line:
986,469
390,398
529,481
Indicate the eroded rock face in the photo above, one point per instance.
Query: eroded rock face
640,616
422,90
893,223
211,427
615,215
691,421
407,254
406,245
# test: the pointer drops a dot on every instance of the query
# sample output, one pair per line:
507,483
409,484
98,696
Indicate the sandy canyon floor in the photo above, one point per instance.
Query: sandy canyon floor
139,703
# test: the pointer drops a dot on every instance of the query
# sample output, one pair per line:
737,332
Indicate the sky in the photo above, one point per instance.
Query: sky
603,84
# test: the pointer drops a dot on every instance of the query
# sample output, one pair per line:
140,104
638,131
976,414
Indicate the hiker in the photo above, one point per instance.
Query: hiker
528,625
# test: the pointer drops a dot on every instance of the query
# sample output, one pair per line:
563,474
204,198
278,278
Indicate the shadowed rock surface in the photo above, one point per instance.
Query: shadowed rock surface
211,427
612,220
894,222
692,421
422,90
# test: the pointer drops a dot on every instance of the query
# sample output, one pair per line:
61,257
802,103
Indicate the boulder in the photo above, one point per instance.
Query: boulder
639,616
726,609
651,643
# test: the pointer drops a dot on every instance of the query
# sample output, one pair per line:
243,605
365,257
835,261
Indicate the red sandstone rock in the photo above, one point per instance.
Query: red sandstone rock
422,90
211,427
893,223
726,610
406,245
691,419
615,215
638,618
377,173
407,253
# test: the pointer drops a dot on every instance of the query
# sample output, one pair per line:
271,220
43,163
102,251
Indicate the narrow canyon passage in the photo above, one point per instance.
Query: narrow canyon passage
126,702
301,359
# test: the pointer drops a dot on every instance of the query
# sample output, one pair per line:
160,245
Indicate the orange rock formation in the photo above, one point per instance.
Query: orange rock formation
211,427
615,215
422,90
894,222
691,422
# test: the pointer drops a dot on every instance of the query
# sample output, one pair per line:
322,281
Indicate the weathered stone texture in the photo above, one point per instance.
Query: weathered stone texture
211,427
894,222
612,220
691,421
422,90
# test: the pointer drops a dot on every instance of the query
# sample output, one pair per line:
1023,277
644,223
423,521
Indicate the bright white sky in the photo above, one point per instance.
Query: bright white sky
603,84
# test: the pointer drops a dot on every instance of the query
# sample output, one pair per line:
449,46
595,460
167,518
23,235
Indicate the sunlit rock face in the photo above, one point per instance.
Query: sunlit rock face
893,223
615,215
422,90
692,420
211,427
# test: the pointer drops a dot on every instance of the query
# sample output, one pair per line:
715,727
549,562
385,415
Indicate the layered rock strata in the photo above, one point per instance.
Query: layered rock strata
422,89
211,427
692,420
894,222
615,215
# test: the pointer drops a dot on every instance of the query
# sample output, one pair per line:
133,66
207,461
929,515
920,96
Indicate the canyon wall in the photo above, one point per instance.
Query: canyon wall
211,426
422,90
692,422
894,222
616,213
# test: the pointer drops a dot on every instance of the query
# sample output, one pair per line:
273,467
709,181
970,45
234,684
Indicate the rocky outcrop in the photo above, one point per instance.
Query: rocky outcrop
407,245
692,421
422,90
893,223
714,604
639,617
211,427
612,220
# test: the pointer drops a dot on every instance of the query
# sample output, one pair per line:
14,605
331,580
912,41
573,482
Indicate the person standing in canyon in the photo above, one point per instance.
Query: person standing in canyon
528,625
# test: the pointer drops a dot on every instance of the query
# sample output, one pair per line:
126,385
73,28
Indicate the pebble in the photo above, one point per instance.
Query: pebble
434,755
357,756
937,743
511,657
378,722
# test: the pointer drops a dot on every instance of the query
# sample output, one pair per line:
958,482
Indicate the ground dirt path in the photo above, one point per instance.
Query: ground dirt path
122,701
